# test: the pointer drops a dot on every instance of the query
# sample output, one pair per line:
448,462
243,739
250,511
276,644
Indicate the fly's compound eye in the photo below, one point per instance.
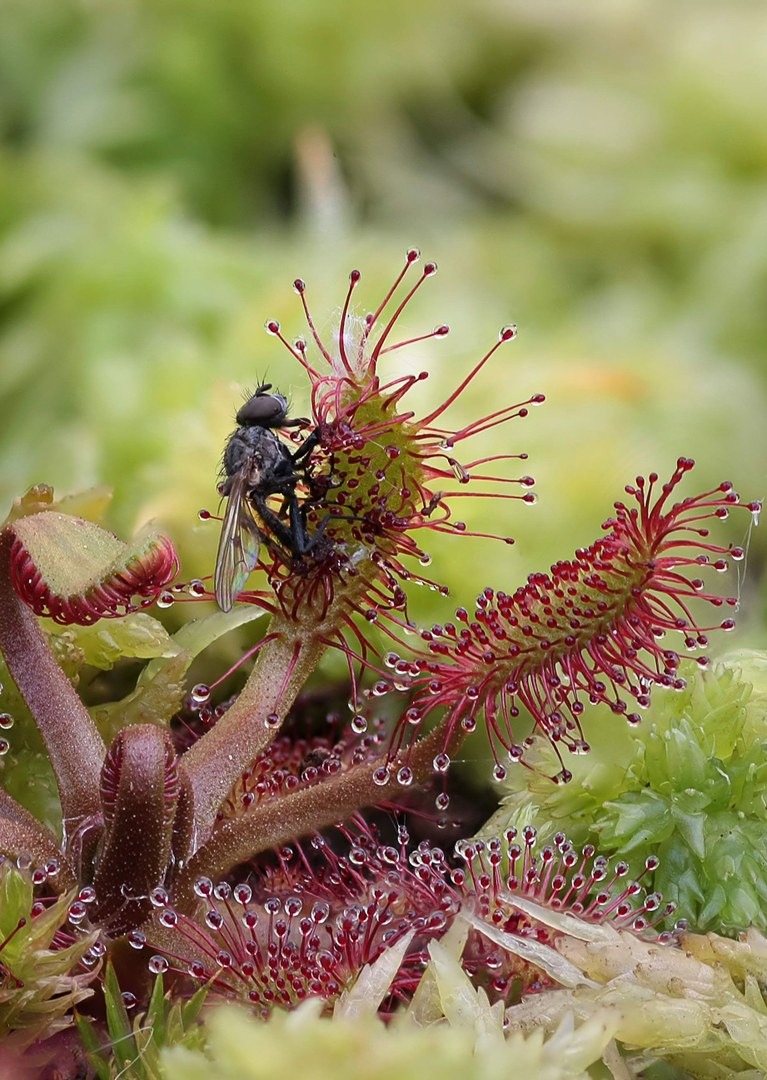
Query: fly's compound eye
263,410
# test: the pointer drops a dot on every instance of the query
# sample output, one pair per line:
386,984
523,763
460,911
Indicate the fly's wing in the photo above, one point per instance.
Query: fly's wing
237,547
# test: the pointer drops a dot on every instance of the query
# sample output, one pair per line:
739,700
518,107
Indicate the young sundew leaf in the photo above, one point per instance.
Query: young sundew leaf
71,553
136,636
163,684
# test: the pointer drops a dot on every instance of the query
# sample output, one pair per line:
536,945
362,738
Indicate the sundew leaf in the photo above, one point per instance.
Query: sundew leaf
71,553
76,572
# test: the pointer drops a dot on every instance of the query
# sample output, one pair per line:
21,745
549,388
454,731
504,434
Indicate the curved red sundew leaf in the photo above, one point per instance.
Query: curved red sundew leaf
140,789
309,926
74,571
589,631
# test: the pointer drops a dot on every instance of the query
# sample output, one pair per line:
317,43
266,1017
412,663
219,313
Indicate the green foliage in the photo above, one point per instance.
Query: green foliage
135,1045
40,980
164,683
215,97
303,1043
700,1008
687,785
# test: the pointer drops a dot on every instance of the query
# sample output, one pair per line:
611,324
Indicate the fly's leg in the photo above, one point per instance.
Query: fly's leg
304,451
291,535
303,543
288,525
279,529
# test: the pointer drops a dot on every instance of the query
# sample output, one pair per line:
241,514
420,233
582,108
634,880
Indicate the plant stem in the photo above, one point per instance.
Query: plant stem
216,761
289,817
75,747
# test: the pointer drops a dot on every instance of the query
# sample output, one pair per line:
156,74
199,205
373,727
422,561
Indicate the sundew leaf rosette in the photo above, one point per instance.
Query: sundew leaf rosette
186,845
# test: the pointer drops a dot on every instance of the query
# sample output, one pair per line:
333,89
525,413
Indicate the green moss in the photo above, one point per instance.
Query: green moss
687,785
40,983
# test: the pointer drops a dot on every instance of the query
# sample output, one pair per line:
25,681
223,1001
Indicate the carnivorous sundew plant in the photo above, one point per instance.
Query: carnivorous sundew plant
258,846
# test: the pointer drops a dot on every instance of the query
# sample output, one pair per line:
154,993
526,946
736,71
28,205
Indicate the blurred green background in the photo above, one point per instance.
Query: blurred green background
595,172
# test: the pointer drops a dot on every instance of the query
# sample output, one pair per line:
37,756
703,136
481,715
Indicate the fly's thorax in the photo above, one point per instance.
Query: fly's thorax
259,452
